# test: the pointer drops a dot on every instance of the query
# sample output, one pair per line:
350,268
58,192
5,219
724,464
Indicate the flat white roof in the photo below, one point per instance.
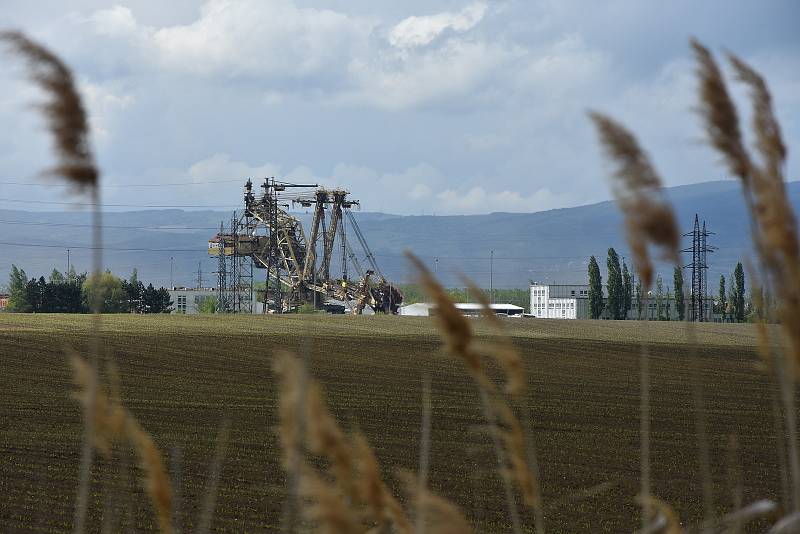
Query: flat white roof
469,306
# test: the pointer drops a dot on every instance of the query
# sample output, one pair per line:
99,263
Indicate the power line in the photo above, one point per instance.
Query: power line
117,227
115,186
89,247
119,205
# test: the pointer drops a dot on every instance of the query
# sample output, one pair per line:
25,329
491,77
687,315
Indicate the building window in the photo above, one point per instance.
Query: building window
181,304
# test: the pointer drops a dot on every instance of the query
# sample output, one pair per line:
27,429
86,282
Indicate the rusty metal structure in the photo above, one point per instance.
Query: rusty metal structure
298,266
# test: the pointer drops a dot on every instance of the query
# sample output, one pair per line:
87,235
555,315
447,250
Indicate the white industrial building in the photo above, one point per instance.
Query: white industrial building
426,309
556,301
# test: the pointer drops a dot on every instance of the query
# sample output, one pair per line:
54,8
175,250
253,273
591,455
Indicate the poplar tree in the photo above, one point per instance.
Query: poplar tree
615,292
738,305
639,298
677,282
722,296
595,289
17,287
627,290
659,298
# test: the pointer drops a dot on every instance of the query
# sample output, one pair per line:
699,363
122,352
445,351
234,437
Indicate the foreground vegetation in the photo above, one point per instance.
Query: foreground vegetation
184,376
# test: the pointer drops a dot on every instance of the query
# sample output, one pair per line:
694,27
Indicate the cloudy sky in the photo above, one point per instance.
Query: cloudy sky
435,106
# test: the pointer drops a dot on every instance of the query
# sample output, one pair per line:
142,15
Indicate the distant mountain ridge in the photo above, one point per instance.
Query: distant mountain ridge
549,246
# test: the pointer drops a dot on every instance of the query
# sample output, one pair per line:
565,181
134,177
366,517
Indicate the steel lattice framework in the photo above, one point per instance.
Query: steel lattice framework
298,269
699,266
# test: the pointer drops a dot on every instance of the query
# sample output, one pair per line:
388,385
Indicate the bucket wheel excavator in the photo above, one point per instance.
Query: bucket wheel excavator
298,265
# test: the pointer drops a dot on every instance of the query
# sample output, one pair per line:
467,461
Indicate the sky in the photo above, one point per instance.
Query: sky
416,107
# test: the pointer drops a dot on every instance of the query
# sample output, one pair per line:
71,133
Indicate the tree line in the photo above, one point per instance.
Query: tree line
733,305
73,293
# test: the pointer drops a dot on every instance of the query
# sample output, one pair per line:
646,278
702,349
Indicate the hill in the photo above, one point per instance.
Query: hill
551,246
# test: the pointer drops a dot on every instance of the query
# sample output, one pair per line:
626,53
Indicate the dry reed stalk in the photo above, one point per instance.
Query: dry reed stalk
735,480
514,440
458,335
327,507
64,111
441,516
503,352
659,511
291,427
701,426
383,508
353,466
210,497
637,188
68,123
773,224
524,462
424,449
113,423
325,438
649,219
453,326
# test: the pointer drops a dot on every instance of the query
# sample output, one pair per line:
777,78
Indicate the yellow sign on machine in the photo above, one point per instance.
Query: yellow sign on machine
215,246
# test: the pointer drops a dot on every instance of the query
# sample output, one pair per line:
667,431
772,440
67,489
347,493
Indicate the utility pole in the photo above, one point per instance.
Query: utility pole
171,285
199,275
491,276
699,267
67,273
436,266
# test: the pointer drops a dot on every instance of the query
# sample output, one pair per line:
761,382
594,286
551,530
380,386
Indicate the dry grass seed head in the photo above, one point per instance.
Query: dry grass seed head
109,417
657,508
441,515
290,391
648,216
453,326
64,110
719,113
385,509
327,439
327,507
766,127
112,423
514,440
503,352
157,482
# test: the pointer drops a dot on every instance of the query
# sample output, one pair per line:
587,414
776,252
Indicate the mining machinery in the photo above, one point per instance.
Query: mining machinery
299,266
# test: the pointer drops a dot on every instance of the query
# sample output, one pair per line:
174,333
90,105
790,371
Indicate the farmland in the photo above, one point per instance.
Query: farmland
182,376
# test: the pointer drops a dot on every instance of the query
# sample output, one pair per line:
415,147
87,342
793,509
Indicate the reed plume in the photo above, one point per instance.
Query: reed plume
649,219
383,507
513,456
454,327
64,111
503,350
441,516
637,187
661,515
67,122
357,495
773,222
113,423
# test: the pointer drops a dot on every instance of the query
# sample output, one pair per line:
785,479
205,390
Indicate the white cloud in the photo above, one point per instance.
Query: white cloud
455,68
222,167
243,38
115,21
479,200
103,103
422,30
